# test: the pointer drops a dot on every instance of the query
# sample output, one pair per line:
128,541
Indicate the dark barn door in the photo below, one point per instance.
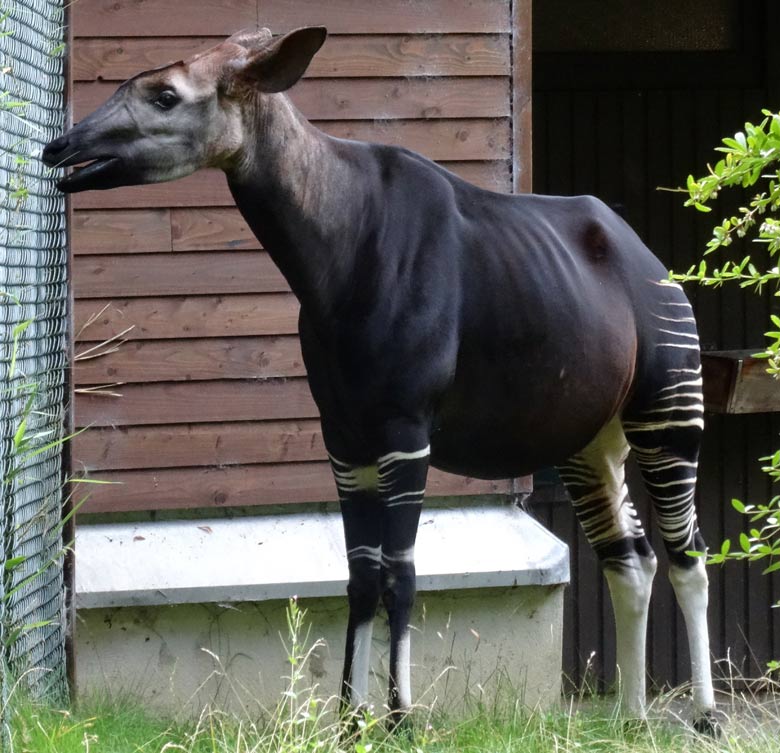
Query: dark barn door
629,97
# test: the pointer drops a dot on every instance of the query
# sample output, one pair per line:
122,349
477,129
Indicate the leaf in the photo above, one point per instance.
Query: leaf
737,505
744,542
20,432
10,564
774,567
725,547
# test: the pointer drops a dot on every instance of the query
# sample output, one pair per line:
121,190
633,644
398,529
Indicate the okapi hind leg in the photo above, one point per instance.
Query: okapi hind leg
665,439
595,479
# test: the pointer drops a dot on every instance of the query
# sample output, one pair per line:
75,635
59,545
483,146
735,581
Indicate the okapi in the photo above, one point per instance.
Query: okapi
481,333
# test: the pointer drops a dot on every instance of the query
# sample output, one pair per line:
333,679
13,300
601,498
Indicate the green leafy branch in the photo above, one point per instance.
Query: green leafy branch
751,159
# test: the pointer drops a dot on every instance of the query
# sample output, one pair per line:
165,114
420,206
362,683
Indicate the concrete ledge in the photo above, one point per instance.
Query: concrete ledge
276,556
187,614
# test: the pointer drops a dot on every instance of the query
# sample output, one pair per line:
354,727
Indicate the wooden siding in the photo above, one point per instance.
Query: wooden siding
209,406
620,141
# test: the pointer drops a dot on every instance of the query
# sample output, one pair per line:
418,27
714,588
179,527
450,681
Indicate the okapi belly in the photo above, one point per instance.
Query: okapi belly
507,449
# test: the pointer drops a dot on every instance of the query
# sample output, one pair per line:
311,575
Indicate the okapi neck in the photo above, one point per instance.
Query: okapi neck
297,194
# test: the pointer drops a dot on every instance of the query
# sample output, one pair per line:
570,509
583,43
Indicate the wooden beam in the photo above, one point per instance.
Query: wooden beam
522,87
197,402
369,98
133,275
116,59
243,485
121,231
195,359
92,18
193,445
170,317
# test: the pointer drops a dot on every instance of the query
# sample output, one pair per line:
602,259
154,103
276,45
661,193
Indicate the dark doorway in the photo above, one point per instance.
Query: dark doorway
629,97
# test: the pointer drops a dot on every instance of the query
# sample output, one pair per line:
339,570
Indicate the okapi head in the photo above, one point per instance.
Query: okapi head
169,122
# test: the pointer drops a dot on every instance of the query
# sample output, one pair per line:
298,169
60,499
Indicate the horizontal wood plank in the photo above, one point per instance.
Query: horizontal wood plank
208,188
120,231
210,230
143,231
186,316
104,59
367,98
457,139
243,485
219,444
224,17
128,275
197,402
145,361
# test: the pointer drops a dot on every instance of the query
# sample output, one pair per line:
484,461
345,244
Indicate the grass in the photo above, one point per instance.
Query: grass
96,728
305,723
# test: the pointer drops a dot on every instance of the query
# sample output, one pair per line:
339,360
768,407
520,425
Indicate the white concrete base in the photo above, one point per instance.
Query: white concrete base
487,645
191,613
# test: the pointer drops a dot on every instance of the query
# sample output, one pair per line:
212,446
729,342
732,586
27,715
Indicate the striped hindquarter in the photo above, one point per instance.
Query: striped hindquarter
663,430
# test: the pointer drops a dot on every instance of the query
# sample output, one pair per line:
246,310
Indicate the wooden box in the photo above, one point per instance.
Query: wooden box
737,382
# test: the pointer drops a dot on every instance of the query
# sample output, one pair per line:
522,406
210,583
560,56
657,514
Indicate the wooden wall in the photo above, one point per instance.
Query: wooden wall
214,407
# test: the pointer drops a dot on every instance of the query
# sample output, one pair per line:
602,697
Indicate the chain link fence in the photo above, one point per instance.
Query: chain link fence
33,352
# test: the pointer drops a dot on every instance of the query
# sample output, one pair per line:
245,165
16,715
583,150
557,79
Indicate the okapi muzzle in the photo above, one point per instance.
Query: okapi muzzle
441,325
105,148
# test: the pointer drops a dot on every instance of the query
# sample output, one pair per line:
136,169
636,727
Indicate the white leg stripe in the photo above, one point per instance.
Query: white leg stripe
393,457
403,555
630,588
373,553
404,671
690,587
361,662
679,334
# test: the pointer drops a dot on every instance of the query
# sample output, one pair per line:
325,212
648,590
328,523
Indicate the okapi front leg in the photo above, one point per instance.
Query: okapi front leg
361,512
401,483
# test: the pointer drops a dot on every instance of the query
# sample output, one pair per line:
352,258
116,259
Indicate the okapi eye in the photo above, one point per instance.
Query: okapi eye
166,99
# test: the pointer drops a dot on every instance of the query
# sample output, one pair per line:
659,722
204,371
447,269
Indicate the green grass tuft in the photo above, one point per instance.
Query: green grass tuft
303,722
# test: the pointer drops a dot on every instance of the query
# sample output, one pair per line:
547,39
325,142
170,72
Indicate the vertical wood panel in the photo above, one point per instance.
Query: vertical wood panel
522,153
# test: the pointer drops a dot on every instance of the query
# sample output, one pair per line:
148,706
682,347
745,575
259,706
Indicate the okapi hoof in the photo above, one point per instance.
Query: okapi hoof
399,722
634,727
354,722
708,725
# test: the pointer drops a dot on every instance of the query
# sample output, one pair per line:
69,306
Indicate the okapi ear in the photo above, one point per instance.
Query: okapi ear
251,39
280,64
